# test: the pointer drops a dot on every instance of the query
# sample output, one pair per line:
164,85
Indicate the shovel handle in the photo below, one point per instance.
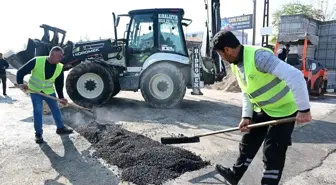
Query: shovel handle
273,122
59,100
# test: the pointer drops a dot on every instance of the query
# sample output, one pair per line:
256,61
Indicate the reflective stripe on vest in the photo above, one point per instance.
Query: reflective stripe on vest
265,91
266,88
37,81
40,84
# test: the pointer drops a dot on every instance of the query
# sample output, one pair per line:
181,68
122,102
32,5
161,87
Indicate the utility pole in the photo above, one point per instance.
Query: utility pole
264,40
254,21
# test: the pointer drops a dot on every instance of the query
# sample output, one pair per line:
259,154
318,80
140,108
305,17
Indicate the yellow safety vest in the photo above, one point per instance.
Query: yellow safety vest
37,81
266,91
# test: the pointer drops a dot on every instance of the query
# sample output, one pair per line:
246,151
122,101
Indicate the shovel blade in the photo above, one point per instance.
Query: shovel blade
179,140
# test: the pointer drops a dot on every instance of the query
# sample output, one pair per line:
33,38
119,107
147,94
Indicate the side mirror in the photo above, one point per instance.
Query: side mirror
117,21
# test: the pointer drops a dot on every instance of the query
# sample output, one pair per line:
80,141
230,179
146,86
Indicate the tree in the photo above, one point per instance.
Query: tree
327,8
86,38
24,47
295,8
9,53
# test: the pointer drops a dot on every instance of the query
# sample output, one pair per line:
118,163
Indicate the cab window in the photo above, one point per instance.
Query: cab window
141,40
171,34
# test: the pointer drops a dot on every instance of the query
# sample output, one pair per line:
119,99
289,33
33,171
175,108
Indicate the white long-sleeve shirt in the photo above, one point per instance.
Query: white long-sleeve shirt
268,63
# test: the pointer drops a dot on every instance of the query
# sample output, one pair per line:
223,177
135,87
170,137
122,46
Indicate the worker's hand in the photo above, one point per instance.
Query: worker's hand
64,101
303,117
23,86
243,124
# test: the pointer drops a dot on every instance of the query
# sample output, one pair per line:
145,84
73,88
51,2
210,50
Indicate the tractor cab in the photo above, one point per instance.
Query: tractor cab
153,31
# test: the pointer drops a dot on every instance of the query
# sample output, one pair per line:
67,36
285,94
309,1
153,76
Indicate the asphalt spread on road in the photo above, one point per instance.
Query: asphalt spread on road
142,160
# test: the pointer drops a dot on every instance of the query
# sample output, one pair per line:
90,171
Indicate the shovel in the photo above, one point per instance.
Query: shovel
57,99
90,111
196,138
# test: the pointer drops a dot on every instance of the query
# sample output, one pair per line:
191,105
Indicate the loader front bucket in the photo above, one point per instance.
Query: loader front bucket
34,48
16,60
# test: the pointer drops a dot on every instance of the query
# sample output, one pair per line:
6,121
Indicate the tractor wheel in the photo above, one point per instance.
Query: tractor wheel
318,86
116,87
163,85
89,84
116,90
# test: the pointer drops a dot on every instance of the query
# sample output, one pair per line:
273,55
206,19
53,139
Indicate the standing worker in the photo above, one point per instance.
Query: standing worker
283,53
277,91
3,66
47,71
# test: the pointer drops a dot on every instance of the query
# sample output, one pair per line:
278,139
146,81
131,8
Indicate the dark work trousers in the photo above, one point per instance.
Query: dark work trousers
276,139
3,80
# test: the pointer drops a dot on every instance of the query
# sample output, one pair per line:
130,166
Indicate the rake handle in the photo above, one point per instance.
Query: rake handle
273,122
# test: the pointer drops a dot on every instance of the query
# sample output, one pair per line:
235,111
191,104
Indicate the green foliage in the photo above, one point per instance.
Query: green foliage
273,40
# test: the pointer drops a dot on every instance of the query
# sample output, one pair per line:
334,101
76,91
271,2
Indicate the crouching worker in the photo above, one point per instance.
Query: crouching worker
46,71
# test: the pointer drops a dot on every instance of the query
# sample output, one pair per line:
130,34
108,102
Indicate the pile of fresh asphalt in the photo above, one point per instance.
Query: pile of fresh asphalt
141,159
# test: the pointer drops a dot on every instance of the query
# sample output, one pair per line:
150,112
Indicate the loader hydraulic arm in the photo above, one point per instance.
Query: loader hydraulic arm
212,26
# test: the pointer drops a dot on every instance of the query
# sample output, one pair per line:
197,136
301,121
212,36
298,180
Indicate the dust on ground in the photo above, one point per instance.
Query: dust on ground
312,144
46,109
142,160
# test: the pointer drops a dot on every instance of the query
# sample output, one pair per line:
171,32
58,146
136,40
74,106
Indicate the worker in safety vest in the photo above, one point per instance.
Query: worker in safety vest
46,71
272,89
283,52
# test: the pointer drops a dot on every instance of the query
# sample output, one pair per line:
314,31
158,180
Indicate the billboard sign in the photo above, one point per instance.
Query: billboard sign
237,23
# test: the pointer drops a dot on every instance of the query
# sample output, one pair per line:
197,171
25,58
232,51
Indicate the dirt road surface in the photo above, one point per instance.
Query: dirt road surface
67,160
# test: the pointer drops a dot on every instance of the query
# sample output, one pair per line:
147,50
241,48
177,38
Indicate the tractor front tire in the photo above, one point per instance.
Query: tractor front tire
90,84
163,85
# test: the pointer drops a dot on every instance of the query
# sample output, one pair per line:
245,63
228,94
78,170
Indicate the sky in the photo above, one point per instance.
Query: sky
20,19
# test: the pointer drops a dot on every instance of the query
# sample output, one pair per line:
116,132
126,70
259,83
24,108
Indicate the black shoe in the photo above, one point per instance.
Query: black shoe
64,130
5,94
227,174
38,138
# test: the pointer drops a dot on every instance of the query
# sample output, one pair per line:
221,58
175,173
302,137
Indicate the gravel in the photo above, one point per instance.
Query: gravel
141,159
228,84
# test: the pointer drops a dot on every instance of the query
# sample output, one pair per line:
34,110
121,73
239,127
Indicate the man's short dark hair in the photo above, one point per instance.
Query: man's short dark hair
224,39
56,48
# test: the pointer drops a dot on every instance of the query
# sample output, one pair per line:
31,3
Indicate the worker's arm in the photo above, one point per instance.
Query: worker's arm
24,70
278,52
247,108
59,84
6,65
268,63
